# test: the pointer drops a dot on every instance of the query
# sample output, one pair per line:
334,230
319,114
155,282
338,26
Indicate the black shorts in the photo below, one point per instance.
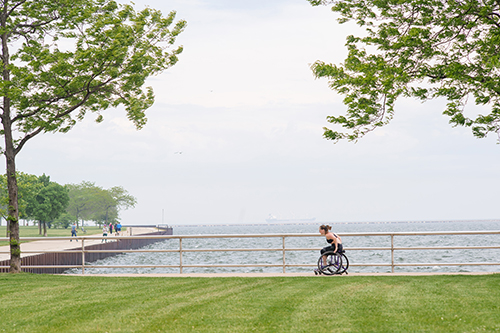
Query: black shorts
331,248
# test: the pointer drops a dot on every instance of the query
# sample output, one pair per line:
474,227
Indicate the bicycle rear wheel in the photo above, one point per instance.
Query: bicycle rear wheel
333,263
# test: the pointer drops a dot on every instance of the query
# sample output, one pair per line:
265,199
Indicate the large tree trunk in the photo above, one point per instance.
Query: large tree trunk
13,213
10,156
44,229
39,228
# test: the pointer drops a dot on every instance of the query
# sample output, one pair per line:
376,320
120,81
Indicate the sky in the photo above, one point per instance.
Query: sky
235,134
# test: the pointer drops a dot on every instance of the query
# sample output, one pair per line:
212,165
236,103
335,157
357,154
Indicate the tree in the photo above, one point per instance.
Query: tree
107,208
64,220
121,200
85,200
91,202
63,58
109,214
423,49
49,203
43,180
28,187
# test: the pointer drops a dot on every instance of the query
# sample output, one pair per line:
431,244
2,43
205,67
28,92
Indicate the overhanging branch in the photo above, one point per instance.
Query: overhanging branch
86,89
59,116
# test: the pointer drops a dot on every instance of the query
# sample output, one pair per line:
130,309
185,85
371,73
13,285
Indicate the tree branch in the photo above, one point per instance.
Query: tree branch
15,7
60,115
492,20
69,94
41,128
25,139
34,26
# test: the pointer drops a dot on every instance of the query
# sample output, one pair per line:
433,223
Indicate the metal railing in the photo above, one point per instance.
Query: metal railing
84,250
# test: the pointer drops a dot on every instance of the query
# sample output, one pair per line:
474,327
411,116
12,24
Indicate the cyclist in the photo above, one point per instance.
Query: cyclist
331,238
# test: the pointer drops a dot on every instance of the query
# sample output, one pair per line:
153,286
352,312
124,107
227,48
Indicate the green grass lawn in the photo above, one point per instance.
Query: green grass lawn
32,231
445,303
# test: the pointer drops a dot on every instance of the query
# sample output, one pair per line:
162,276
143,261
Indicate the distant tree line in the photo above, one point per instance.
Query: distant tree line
52,205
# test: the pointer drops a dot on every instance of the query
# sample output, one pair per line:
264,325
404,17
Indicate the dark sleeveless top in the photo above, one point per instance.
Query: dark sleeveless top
330,241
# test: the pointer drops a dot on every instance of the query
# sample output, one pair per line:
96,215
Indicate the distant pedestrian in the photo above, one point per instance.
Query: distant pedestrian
118,228
73,232
111,229
104,233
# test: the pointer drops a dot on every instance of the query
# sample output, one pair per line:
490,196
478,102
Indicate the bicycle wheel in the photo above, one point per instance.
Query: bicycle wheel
345,264
333,263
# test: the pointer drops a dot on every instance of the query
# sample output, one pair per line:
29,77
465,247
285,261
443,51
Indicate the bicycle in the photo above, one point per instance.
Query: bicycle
336,263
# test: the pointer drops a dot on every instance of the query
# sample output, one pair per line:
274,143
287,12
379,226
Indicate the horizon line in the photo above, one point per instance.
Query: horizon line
314,223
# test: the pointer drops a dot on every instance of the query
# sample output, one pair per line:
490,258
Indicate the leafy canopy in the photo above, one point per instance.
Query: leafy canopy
68,57
423,49
91,202
28,186
49,203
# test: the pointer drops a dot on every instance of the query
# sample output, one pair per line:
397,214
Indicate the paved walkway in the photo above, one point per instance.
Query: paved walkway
31,248
260,275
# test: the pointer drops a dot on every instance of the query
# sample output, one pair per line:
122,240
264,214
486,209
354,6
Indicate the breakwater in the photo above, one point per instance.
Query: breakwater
67,258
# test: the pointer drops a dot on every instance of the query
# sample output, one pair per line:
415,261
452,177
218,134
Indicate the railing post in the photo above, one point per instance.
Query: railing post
180,254
284,254
392,253
83,256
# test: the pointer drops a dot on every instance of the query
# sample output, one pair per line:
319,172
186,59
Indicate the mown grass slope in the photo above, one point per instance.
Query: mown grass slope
446,303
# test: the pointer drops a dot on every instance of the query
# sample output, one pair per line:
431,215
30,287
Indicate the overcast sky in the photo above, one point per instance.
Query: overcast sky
247,114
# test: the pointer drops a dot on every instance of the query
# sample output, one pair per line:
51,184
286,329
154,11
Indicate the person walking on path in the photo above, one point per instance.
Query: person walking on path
104,233
73,231
118,229
111,229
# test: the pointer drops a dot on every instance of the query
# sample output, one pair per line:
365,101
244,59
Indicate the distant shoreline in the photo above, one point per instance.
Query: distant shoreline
317,223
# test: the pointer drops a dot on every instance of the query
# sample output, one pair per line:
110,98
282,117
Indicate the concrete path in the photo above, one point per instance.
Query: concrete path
65,243
260,275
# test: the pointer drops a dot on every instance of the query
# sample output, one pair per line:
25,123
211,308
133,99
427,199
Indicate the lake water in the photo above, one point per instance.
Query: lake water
311,257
